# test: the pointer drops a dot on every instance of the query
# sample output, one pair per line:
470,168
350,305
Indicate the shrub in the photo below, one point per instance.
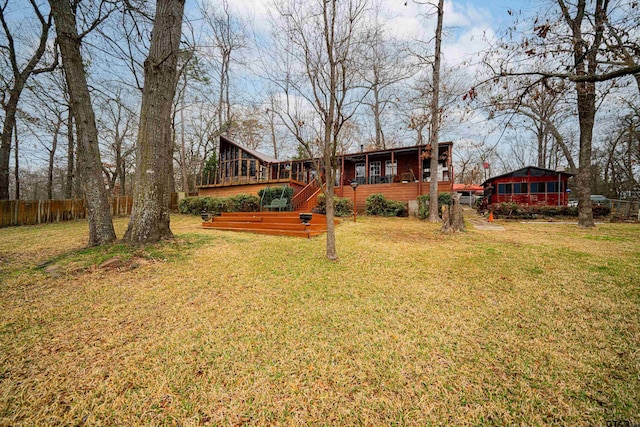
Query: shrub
377,204
423,204
513,210
343,205
244,203
217,205
267,194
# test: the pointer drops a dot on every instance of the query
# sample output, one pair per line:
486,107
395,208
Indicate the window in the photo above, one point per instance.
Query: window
374,172
552,187
537,187
360,173
505,188
520,188
389,169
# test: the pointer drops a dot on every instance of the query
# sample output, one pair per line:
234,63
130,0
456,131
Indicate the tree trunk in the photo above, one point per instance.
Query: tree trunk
452,217
20,79
52,155
585,62
331,252
98,211
435,122
586,115
150,220
7,133
68,187
183,148
16,172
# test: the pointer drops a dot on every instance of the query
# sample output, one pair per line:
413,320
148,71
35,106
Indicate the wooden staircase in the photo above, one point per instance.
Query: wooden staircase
306,199
275,223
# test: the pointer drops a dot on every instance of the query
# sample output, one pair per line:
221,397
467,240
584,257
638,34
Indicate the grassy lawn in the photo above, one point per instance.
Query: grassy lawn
534,325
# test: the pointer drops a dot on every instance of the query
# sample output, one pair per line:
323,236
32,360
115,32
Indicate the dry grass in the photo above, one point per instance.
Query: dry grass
535,325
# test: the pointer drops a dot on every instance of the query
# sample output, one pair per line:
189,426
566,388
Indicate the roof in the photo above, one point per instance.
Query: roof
394,149
254,153
269,159
467,187
528,171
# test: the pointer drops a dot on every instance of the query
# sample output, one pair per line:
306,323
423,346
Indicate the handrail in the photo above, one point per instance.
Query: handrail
303,195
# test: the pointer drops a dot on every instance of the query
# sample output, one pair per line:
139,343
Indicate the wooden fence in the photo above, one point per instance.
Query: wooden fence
30,212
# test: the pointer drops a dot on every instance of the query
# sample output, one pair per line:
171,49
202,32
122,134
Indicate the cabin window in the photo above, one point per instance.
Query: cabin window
537,187
505,188
360,173
391,169
552,187
374,172
520,188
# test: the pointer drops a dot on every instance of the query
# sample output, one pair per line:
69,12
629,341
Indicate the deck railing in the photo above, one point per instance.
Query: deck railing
304,195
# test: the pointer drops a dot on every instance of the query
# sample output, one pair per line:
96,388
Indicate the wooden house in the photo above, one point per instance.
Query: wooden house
530,185
400,173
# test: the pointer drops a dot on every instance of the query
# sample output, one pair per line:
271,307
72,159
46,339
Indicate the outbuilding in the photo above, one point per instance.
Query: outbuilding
530,185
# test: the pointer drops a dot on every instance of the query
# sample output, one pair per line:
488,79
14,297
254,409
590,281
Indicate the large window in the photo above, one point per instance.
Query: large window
520,188
537,187
360,173
391,169
374,172
505,188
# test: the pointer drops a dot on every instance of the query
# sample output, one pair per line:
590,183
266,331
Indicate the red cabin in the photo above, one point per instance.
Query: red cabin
530,185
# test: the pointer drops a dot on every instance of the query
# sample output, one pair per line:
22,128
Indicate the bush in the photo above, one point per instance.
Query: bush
343,206
423,204
513,210
217,205
267,194
244,203
378,205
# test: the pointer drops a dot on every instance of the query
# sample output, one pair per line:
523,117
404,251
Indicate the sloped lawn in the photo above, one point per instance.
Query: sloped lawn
538,324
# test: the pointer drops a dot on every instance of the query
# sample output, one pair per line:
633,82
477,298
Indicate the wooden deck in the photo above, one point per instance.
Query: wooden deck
275,223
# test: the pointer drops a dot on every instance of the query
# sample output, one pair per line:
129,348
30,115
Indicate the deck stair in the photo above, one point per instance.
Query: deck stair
275,223
307,198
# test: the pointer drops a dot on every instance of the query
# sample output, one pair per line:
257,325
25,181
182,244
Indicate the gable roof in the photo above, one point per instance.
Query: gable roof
254,153
528,171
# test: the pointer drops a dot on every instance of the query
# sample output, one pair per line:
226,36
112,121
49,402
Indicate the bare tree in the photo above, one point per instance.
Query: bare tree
544,105
320,40
14,87
150,221
570,41
229,36
386,64
90,166
435,120
117,124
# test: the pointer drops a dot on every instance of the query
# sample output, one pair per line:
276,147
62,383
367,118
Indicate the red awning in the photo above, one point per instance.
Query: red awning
467,187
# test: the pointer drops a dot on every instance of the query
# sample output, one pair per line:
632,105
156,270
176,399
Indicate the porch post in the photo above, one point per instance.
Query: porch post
393,158
342,177
529,186
366,169
420,169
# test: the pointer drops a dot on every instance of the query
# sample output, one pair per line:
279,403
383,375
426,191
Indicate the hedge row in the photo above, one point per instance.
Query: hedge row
423,204
217,205
343,206
377,204
512,210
